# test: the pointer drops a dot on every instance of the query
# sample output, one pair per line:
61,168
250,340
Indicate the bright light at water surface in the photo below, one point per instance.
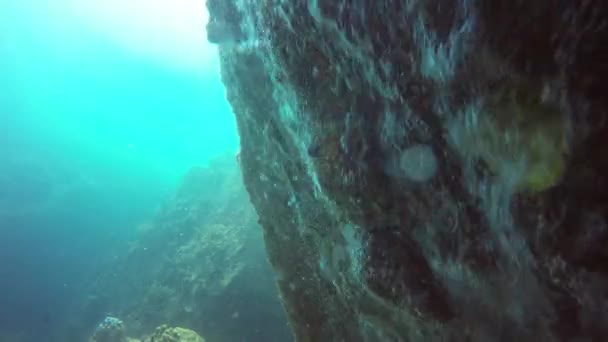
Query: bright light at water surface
104,106
128,80
173,31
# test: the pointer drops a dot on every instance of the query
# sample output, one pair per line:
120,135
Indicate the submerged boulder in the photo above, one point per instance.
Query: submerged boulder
164,333
427,170
111,329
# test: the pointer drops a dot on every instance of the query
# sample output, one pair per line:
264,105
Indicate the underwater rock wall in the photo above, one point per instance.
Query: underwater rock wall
426,170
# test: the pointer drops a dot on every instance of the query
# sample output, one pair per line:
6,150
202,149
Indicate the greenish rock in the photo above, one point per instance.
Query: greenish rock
165,333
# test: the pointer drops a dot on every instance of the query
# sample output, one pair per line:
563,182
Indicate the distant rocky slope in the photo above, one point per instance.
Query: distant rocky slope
112,329
200,263
426,170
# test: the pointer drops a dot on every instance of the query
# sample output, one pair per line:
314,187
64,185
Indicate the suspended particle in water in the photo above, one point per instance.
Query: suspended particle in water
418,163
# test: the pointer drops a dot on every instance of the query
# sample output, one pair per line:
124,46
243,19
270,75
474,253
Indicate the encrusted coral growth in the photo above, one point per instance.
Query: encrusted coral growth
521,137
111,329
164,333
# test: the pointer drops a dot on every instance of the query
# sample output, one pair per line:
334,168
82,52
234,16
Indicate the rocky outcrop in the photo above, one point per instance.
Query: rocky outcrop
199,263
426,170
165,333
112,329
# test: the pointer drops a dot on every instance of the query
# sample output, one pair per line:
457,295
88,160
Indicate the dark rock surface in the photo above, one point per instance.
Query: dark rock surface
426,170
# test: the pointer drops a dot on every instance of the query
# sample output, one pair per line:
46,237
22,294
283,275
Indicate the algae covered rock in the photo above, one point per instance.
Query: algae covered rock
164,333
200,262
427,170
111,329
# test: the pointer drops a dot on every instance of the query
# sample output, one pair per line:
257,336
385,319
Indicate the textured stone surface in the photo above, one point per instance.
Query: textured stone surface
111,329
499,234
165,333
199,263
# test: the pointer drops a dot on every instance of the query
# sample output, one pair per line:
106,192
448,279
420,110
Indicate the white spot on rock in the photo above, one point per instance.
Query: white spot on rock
418,163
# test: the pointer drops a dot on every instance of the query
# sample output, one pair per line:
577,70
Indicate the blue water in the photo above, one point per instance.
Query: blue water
103,108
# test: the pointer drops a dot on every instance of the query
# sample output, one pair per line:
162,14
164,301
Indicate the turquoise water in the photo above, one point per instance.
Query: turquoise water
122,91
104,105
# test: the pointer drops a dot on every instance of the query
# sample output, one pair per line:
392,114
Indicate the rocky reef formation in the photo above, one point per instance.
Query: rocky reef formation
200,263
165,333
112,329
426,170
